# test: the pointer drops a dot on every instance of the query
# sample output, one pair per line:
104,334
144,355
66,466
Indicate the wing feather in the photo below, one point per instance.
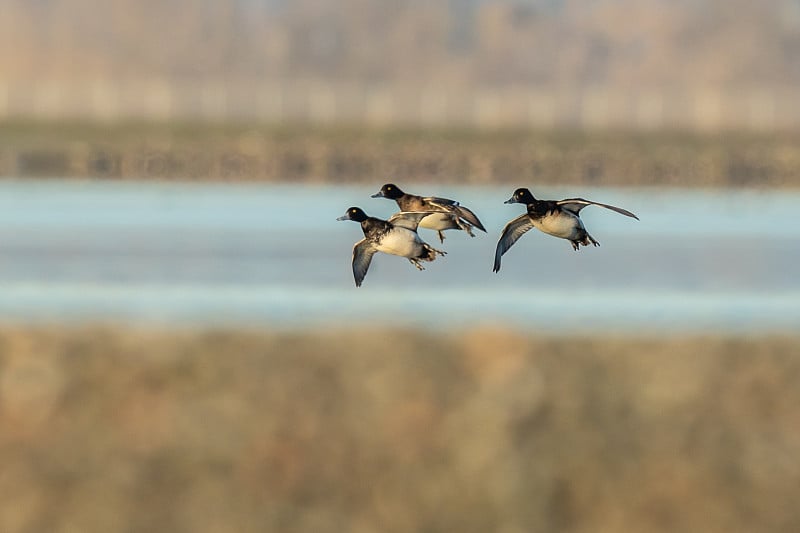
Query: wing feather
575,205
470,217
511,234
444,203
408,219
363,251
453,206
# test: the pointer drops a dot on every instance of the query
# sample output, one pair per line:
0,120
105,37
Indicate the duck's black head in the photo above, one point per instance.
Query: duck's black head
521,196
390,190
354,213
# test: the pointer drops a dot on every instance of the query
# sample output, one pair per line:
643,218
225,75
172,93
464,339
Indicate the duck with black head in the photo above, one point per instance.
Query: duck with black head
559,218
444,213
395,236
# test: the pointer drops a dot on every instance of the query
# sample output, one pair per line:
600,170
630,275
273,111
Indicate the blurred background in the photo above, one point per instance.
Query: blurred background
628,63
182,347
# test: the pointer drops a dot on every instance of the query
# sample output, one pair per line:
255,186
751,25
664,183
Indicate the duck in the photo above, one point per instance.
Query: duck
395,236
447,214
559,218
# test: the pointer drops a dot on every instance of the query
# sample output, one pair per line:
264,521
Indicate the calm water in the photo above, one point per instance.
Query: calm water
274,255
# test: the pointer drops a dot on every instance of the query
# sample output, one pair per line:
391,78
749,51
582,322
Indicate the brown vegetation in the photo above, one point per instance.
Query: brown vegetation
110,430
300,154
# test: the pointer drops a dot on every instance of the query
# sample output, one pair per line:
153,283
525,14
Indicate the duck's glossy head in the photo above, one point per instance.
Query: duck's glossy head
354,213
521,196
390,190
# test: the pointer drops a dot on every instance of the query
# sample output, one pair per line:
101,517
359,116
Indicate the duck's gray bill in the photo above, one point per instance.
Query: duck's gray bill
378,194
343,217
510,201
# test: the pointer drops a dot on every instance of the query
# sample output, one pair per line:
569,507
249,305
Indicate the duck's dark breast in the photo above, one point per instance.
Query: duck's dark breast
542,208
374,229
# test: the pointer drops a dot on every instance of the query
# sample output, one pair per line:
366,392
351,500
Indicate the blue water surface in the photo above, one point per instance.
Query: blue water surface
274,256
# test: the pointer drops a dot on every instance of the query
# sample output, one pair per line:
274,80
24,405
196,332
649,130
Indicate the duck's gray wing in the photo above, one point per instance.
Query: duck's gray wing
452,206
575,205
511,234
408,219
470,217
363,251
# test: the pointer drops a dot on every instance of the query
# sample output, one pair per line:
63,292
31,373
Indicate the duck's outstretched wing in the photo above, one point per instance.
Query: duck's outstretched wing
511,234
363,251
469,216
452,206
408,219
574,205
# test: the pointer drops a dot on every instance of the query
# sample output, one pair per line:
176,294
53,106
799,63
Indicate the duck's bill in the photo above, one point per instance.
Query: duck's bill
343,217
510,201
378,194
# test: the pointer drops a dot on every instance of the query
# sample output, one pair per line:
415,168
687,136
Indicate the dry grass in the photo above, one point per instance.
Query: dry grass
107,430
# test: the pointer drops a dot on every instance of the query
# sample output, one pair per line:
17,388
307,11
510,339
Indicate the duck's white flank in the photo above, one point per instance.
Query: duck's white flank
402,242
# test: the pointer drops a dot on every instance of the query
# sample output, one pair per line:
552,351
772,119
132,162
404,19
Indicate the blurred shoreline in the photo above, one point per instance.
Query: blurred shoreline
118,429
210,151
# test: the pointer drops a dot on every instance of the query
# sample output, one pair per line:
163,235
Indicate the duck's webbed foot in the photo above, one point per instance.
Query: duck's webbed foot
435,252
416,263
586,241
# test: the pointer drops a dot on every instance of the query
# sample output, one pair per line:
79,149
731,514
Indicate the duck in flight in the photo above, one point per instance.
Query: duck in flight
443,214
396,236
559,218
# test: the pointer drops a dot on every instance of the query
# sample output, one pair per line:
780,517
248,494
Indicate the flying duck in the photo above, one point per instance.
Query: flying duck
448,214
396,236
559,218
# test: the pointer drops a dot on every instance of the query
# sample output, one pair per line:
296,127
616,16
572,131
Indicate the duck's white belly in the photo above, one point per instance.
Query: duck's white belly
438,221
563,225
402,242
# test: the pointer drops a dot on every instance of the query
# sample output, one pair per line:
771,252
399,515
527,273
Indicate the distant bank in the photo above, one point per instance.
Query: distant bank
330,154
